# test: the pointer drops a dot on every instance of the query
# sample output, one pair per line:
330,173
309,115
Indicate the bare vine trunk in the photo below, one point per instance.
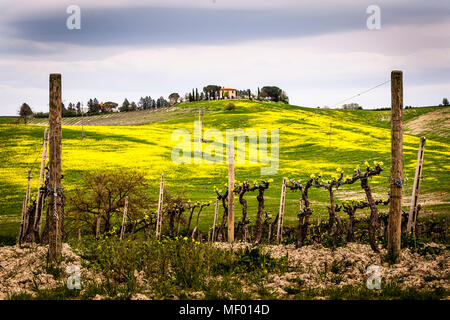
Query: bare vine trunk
303,219
191,212
331,211
373,221
243,202
221,230
351,220
260,198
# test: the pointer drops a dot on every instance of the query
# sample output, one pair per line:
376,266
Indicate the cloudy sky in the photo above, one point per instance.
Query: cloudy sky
319,52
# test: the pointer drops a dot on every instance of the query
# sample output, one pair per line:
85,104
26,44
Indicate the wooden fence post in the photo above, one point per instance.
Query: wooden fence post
28,187
415,192
56,219
200,132
38,213
230,192
82,123
281,213
216,214
160,206
125,210
19,236
25,213
396,181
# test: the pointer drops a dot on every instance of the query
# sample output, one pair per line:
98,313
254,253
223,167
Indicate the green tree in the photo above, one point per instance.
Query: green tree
445,102
125,106
271,92
25,112
133,106
173,98
98,202
211,90
93,106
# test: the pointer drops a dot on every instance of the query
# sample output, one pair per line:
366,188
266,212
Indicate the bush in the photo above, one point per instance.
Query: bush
230,106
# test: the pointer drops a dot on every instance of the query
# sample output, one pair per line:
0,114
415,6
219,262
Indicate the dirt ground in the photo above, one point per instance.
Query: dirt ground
22,269
314,267
321,268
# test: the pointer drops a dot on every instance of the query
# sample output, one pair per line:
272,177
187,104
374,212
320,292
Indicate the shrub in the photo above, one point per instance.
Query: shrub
230,106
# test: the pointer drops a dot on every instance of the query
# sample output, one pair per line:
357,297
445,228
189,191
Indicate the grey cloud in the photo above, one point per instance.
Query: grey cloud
182,26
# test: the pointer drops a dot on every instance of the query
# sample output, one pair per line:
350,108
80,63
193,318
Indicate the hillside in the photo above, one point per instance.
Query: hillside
142,140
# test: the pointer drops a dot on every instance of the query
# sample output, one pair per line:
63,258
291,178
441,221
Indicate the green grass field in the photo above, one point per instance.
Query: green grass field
142,140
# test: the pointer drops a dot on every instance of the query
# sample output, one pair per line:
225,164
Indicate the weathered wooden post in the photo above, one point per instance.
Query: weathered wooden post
230,192
396,181
19,236
25,213
281,212
56,219
160,207
415,192
28,187
329,147
125,210
82,122
38,213
200,131
216,214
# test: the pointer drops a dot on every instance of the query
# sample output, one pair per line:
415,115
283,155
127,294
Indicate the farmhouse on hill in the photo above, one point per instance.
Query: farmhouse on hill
227,93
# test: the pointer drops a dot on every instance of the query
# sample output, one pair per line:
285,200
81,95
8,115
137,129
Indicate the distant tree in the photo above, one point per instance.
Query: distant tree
212,91
283,97
96,105
78,107
193,95
70,111
108,106
271,92
142,104
258,97
161,103
93,106
125,106
145,103
351,106
133,106
173,98
445,102
25,112
197,97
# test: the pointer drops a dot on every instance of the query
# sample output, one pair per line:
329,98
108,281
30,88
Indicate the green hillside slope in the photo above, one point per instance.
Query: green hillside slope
306,146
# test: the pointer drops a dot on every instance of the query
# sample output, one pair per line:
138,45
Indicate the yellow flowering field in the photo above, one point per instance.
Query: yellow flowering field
310,141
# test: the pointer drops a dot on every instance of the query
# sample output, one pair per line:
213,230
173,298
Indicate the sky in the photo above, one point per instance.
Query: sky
320,52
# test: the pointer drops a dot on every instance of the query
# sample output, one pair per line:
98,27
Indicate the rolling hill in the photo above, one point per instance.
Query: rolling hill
308,144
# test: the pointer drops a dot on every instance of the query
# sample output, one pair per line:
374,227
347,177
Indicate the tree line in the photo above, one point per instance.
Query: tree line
209,92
